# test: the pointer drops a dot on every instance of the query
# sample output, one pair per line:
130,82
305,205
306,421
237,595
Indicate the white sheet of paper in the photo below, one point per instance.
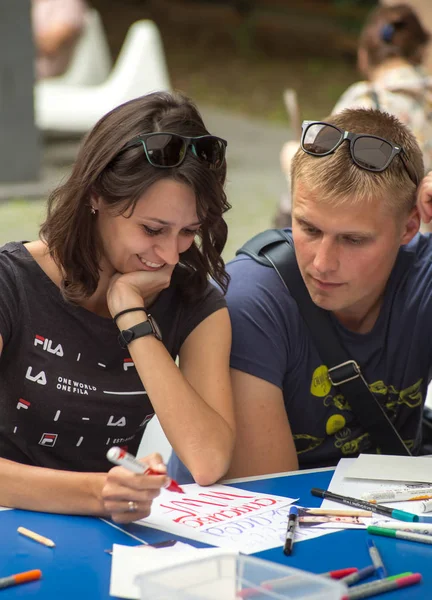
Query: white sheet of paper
225,516
391,468
130,561
341,484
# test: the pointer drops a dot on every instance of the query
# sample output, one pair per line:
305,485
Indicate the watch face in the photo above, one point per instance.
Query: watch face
156,329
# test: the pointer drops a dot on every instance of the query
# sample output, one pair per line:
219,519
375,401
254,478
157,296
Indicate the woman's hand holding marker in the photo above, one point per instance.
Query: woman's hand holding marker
127,497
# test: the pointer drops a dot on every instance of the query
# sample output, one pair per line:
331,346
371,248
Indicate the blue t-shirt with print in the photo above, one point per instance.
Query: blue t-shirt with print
271,341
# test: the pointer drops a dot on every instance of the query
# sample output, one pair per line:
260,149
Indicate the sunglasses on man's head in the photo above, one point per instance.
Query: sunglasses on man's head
167,150
368,152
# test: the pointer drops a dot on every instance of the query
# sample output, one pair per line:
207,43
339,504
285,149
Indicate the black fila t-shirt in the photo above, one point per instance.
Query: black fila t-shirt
68,391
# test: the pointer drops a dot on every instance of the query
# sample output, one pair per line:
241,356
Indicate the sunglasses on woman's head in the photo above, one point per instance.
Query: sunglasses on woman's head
166,150
368,152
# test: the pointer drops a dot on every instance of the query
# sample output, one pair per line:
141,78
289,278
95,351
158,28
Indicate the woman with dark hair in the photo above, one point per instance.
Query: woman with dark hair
94,314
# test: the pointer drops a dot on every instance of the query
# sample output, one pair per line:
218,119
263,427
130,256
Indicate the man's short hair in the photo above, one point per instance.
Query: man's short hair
340,181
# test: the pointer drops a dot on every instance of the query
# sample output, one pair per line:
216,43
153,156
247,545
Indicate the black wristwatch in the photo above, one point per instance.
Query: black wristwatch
145,328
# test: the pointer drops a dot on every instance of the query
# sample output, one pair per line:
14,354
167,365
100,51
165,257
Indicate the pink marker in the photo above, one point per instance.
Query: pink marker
380,586
120,457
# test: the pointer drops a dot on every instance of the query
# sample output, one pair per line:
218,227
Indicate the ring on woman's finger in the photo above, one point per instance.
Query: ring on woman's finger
132,506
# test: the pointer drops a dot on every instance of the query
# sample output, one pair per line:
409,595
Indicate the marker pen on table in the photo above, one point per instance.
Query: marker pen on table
423,528
337,512
399,494
120,457
18,578
374,588
401,515
426,506
359,575
401,535
376,559
291,527
339,573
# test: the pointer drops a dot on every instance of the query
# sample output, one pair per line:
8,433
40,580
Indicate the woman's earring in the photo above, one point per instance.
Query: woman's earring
92,210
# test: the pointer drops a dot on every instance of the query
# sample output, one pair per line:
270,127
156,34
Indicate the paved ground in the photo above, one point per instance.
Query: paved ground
254,179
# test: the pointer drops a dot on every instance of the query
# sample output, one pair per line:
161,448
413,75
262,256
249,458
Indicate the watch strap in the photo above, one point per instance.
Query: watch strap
136,331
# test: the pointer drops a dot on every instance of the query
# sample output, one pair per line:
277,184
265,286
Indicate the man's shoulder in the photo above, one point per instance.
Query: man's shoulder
256,292
412,271
245,272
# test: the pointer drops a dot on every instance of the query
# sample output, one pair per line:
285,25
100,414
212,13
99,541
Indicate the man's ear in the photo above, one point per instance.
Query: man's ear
411,226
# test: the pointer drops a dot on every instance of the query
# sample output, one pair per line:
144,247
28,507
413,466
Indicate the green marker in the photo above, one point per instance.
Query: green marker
400,575
400,534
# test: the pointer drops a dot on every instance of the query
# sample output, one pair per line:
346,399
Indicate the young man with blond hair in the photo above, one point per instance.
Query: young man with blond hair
355,232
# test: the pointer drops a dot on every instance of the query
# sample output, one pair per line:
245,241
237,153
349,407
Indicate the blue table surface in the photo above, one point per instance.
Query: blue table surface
78,568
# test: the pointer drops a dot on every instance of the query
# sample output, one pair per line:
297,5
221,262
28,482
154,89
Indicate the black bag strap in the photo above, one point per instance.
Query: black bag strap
275,248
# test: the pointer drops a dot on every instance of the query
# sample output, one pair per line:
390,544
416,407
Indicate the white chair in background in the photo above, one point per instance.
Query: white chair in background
139,69
91,60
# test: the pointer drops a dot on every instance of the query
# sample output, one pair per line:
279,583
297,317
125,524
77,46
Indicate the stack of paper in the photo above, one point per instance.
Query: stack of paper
373,472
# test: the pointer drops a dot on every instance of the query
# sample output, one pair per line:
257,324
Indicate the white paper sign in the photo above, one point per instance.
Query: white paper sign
222,516
226,516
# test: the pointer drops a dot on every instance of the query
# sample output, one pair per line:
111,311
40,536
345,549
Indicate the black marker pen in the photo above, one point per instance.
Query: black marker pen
292,524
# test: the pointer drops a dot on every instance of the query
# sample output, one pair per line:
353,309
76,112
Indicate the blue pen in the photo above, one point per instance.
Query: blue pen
376,559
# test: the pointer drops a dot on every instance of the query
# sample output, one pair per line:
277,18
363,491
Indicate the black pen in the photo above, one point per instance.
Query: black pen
401,515
291,527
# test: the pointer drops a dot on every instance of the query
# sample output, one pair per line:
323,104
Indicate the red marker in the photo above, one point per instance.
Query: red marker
120,457
339,573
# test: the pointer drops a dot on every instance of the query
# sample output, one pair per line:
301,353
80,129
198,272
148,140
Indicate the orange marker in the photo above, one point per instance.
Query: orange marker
20,578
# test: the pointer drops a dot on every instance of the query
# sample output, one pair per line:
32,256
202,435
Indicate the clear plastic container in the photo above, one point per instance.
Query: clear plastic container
230,577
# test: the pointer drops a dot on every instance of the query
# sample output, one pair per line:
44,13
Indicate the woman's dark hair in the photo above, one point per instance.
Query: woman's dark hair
393,31
120,178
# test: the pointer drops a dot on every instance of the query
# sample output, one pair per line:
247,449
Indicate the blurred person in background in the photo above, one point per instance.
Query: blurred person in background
390,55
423,8
57,26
